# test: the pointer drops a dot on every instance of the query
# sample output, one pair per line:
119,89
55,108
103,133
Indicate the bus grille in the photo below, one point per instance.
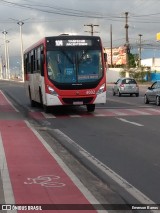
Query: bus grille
71,100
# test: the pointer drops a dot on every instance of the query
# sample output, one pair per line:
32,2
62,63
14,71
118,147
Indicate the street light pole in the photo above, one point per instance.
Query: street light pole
5,51
140,49
20,23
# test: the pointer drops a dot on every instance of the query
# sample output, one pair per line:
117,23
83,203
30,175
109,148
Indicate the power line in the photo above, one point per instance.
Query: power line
74,12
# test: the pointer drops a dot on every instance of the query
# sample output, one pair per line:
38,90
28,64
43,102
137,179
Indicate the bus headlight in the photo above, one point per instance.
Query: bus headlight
52,91
101,89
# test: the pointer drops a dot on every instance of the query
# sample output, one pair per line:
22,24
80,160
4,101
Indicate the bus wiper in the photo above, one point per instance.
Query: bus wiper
67,56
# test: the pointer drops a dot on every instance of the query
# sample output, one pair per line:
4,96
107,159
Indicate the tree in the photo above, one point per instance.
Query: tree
131,60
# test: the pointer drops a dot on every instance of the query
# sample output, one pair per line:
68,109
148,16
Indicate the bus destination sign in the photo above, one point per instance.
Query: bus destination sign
72,43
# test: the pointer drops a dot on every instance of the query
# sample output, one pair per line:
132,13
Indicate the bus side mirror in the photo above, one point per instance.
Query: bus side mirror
105,57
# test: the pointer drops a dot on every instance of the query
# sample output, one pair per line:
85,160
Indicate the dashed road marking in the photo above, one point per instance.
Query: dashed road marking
98,113
130,122
117,112
139,111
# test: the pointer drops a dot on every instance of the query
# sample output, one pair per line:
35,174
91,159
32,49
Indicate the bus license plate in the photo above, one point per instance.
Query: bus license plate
78,103
129,87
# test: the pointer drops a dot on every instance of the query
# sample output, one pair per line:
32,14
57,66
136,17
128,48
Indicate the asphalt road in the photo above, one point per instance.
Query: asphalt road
122,135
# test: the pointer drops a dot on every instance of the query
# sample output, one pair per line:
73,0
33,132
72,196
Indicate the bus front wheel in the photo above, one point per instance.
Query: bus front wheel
45,108
90,107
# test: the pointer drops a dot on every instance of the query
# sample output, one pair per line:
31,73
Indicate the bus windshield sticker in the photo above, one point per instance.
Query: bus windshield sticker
82,77
69,71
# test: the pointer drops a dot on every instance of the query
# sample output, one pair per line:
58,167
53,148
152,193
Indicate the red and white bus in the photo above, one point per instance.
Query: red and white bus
66,70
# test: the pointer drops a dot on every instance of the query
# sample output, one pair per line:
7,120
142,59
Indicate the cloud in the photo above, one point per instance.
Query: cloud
60,16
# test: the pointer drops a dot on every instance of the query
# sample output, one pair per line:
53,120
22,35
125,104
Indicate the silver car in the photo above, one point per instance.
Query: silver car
153,94
126,86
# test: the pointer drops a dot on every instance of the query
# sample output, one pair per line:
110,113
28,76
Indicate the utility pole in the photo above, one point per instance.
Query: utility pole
92,26
111,45
127,43
1,68
140,49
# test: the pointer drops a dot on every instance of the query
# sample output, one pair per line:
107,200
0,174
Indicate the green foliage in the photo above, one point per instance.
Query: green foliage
123,73
138,74
131,60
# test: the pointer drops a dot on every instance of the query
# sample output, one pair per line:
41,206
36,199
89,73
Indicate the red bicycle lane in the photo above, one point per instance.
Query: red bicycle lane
5,104
37,175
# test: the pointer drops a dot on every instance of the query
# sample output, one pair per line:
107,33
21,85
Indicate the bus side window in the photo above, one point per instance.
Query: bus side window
105,57
42,60
38,60
29,63
32,60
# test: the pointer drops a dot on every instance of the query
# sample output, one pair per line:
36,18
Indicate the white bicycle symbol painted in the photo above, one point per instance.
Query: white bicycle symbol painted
46,181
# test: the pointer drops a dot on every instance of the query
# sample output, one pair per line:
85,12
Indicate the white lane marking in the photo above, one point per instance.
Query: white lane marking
75,116
7,187
154,110
48,115
99,115
9,102
130,122
139,112
143,199
116,112
122,107
70,174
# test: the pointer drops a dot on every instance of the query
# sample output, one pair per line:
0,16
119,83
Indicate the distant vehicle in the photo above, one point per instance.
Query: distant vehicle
66,70
153,93
125,86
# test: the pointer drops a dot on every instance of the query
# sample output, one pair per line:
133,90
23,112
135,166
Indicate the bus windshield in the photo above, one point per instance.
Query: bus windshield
80,66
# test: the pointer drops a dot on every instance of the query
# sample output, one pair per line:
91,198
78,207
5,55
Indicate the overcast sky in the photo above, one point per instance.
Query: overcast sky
53,17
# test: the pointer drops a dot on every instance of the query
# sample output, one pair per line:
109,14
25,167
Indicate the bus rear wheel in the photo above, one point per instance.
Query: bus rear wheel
46,109
90,107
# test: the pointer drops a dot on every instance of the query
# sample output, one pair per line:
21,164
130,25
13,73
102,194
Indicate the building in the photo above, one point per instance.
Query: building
118,56
152,63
